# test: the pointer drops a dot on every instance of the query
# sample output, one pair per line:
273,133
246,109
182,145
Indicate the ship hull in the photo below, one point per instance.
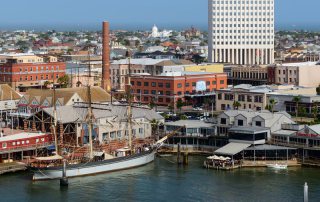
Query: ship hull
93,168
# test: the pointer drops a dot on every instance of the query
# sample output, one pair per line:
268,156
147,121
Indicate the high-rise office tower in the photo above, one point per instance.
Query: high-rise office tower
241,31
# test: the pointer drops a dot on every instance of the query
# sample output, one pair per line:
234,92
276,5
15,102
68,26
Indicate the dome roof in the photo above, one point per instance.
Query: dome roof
154,28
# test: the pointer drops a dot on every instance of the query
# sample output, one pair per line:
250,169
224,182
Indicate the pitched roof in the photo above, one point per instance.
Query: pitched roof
7,93
69,114
98,95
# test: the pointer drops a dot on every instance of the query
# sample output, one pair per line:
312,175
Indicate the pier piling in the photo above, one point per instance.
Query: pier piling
305,194
185,158
64,179
179,154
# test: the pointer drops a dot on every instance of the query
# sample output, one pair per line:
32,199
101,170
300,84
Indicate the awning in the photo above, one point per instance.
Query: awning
49,158
232,148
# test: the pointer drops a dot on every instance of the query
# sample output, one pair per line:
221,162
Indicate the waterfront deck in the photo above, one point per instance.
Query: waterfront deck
12,167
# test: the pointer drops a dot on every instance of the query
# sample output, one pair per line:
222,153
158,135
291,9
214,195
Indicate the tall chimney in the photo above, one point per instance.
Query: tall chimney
105,83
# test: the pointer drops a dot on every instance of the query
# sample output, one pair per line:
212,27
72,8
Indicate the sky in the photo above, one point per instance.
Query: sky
137,14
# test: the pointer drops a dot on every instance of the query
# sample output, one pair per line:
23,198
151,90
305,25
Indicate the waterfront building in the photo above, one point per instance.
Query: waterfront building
27,70
303,137
169,87
20,145
194,135
264,120
110,123
299,74
241,32
36,99
9,99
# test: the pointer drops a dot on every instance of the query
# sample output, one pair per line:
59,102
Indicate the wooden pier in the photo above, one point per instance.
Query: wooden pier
12,167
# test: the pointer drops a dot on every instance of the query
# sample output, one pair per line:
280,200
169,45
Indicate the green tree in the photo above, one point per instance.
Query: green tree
170,107
297,100
315,112
302,111
64,81
179,104
152,104
272,103
236,105
154,126
157,42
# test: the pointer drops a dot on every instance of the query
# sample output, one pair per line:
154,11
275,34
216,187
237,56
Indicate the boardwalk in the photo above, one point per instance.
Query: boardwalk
11,167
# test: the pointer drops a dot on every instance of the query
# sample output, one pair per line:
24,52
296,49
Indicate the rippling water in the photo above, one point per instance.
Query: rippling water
164,181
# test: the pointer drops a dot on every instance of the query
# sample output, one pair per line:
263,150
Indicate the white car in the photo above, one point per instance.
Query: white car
197,109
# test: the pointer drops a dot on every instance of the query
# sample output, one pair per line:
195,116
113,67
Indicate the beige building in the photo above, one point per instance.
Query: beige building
258,97
255,75
299,74
246,96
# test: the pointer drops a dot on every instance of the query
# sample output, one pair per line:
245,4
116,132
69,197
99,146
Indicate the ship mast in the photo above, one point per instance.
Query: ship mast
54,126
129,108
90,114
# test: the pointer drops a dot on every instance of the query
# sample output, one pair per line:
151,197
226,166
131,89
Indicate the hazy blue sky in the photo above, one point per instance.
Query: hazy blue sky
137,13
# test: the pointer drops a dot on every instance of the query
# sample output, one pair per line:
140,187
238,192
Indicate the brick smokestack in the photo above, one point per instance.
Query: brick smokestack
105,83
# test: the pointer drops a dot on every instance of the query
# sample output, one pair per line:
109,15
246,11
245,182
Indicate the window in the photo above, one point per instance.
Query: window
160,85
193,83
179,85
112,134
139,83
223,121
146,83
187,84
153,92
167,85
258,123
153,84
4,145
240,122
214,82
208,83
221,81
219,96
146,92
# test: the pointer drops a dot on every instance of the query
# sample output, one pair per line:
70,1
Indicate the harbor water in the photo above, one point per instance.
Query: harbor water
163,180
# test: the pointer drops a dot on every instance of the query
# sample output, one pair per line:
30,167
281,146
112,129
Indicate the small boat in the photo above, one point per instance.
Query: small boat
277,166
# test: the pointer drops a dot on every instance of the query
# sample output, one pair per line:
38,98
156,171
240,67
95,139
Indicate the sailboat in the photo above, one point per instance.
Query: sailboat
125,158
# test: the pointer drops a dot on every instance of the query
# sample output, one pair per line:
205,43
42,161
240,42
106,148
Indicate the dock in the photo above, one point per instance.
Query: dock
12,167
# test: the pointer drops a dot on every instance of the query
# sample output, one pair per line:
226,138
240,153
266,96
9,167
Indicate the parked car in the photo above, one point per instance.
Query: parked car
197,109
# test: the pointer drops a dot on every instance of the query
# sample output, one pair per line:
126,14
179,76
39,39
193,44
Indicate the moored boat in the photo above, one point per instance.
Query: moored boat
277,166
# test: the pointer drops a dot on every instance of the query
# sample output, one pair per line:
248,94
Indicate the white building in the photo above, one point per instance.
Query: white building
163,34
241,31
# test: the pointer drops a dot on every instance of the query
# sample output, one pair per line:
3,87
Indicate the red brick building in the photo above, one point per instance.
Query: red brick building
22,70
165,90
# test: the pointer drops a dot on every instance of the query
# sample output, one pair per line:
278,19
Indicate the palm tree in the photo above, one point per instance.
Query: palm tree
297,100
314,111
236,105
272,102
155,127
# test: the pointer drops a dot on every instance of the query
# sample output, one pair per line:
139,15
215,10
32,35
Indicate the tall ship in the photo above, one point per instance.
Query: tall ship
65,163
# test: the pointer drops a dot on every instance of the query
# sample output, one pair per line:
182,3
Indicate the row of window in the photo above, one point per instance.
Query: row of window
17,143
243,37
244,31
119,133
242,2
169,93
30,78
243,43
27,69
241,98
168,85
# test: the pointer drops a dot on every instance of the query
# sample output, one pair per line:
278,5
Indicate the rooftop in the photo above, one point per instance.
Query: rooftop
190,124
